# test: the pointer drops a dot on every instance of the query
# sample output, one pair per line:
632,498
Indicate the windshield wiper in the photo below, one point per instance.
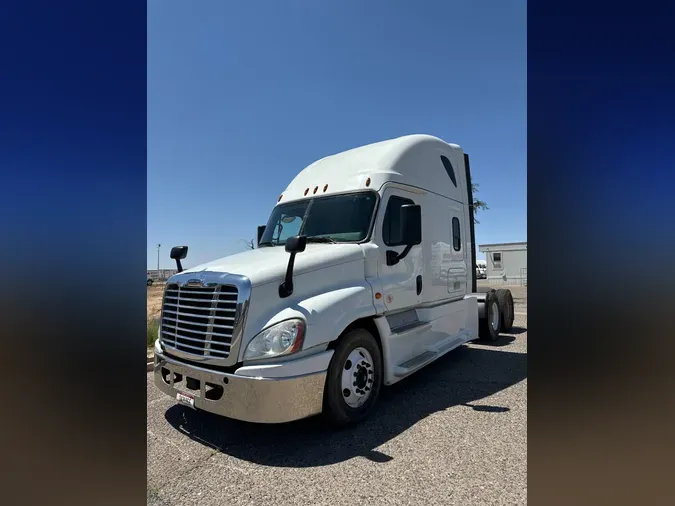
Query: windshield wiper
322,239
267,243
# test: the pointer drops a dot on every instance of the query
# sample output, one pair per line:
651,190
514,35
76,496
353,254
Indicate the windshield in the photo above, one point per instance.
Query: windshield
338,218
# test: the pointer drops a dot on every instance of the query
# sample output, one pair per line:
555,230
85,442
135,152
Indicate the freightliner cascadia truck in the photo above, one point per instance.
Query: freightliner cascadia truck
364,273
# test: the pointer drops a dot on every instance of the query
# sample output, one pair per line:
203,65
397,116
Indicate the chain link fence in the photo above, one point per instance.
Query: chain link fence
161,275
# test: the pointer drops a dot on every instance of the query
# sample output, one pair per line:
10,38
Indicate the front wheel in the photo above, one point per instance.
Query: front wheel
354,378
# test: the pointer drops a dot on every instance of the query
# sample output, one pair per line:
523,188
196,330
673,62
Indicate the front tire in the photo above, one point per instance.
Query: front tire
354,378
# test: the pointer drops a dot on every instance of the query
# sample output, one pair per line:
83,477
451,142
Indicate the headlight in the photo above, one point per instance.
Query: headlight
280,339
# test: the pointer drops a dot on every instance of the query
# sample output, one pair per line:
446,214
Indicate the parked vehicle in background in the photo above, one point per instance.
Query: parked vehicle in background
364,274
481,269
149,282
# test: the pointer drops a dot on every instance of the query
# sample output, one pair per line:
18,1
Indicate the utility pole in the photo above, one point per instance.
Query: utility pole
158,246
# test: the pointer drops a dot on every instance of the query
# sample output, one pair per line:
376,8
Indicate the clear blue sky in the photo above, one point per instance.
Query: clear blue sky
243,95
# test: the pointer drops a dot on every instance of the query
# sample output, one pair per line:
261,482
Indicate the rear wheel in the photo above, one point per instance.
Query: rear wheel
354,378
506,306
149,282
490,326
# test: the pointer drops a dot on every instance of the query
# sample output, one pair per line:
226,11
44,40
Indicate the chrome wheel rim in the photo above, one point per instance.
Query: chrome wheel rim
358,376
495,316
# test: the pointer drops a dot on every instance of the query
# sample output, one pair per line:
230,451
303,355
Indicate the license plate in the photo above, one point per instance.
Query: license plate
185,399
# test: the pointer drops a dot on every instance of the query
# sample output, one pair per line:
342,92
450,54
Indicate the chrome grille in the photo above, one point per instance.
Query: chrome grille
199,320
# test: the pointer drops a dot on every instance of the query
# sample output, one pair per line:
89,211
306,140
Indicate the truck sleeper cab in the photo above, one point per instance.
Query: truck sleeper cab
364,273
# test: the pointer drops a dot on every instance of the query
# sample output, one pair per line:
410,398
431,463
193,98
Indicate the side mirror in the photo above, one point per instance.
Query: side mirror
178,253
411,224
296,244
411,232
261,231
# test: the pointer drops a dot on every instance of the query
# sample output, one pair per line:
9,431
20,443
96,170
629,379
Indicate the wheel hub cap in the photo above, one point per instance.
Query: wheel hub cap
357,377
495,316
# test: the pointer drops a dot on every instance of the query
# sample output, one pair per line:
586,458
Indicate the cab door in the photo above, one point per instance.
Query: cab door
402,283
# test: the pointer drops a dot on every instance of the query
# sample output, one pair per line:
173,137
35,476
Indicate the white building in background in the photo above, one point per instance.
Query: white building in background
506,262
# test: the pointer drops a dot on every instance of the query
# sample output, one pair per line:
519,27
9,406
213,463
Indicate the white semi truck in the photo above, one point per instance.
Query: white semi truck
481,269
364,273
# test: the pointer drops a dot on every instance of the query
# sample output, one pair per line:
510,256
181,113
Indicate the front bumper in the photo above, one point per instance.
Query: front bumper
251,399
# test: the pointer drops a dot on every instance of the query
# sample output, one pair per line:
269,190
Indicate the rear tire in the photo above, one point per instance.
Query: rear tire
506,308
490,326
349,377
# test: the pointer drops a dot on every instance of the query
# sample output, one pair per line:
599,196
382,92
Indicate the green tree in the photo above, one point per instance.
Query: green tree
478,205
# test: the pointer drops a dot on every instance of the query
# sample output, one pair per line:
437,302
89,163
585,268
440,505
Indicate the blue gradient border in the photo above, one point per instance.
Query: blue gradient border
73,207
601,230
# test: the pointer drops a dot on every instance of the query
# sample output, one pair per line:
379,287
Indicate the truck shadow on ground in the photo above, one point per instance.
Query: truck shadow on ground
461,378
502,340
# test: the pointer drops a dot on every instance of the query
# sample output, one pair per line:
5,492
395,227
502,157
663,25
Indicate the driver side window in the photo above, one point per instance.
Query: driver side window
288,226
391,226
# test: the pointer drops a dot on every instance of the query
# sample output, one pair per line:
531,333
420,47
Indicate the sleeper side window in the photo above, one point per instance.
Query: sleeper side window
456,236
449,169
391,226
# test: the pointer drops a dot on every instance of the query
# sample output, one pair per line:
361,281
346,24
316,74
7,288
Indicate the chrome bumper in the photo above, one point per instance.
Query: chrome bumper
251,399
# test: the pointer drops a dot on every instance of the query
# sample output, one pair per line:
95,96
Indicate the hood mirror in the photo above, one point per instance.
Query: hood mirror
178,253
294,245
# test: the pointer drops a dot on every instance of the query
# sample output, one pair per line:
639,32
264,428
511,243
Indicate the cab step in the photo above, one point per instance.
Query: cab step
430,354
410,328
412,364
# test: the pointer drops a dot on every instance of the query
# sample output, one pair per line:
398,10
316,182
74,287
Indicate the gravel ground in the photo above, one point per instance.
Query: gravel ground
453,433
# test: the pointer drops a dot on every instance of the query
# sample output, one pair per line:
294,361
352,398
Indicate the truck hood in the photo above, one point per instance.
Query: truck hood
269,264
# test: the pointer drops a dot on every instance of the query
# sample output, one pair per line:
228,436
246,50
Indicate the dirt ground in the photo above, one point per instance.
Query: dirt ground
155,300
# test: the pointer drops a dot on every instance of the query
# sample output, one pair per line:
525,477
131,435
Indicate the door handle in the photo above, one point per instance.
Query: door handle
419,285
